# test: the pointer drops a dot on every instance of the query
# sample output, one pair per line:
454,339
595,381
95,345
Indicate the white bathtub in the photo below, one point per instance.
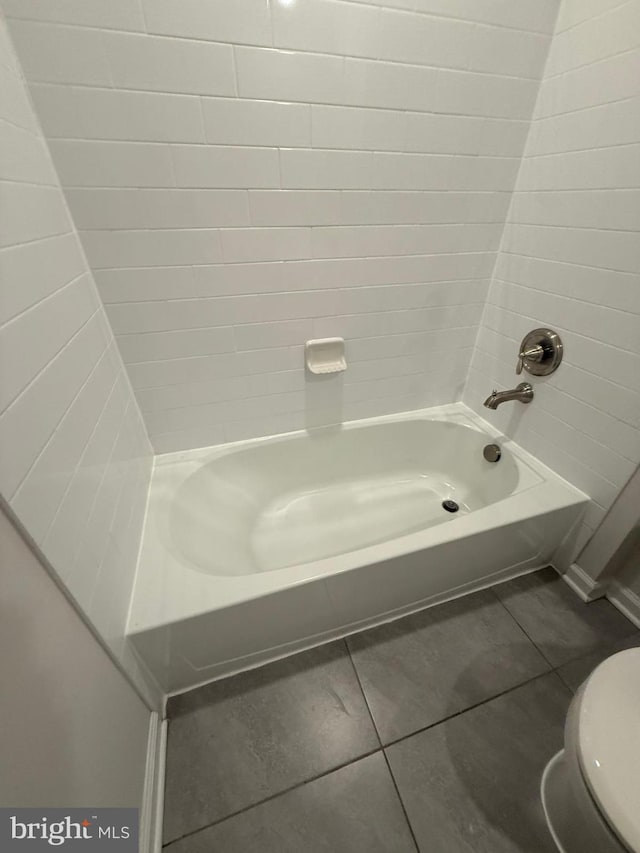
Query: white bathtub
256,549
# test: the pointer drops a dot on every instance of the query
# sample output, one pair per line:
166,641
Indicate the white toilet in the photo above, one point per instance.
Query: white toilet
591,789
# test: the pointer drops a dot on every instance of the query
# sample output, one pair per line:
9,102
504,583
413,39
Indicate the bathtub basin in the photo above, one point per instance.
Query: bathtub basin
260,548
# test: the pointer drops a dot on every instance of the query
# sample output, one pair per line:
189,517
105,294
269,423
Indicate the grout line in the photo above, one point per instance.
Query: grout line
337,104
275,796
596,305
474,155
464,710
393,780
361,688
515,620
586,108
400,800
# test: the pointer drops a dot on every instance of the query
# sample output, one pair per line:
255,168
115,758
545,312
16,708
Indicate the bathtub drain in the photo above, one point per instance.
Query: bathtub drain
450,506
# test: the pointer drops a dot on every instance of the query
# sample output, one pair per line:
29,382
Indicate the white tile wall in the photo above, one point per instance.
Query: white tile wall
246,175
570,259
75,459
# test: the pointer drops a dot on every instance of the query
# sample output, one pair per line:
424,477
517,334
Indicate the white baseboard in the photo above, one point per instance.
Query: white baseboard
627,601
582,584
153,796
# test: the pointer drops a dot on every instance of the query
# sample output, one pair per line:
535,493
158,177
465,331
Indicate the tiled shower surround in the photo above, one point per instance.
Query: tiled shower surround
75,460
249,175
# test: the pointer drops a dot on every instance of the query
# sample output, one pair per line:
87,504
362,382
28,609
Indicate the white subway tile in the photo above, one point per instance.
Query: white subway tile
112,164
604,168
453,134
356,272
63,538
27,425
265,244
537,17
15,100
607,125
225,166
116,14
500,51
598,323
192,417
140,317
288,76
146,284
8,59
169,65
573,281
387,84
590,85
150,374
157,208
106,249
574,12
306,169
41,492
220,390
439,42
315,169
31,212
51,323
616,250
595,39
324,26
346,127
397,322
386,208
23,156
295,207
230,121
158,346
403,240
580,208
471,93
56,54
239,278
244,21
187,439
258,336
260,425
91,113
37,270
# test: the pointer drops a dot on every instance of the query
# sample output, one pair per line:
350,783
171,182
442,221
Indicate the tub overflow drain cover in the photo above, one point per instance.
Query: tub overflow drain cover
450,506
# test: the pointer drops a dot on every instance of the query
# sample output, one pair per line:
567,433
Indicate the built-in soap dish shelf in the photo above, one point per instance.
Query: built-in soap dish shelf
325,355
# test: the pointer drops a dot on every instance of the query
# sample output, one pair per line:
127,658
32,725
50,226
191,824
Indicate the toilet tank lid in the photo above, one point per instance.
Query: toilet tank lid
609,742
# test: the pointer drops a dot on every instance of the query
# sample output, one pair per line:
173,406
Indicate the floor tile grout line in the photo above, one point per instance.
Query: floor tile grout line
275,796
401,801
362,690
384,754
554,667
533,643
566,683
469,708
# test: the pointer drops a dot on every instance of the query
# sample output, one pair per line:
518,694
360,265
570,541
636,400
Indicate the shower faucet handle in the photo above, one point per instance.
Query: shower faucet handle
540,352
534,354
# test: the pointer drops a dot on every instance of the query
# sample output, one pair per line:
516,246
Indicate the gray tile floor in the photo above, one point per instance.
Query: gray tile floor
429,733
